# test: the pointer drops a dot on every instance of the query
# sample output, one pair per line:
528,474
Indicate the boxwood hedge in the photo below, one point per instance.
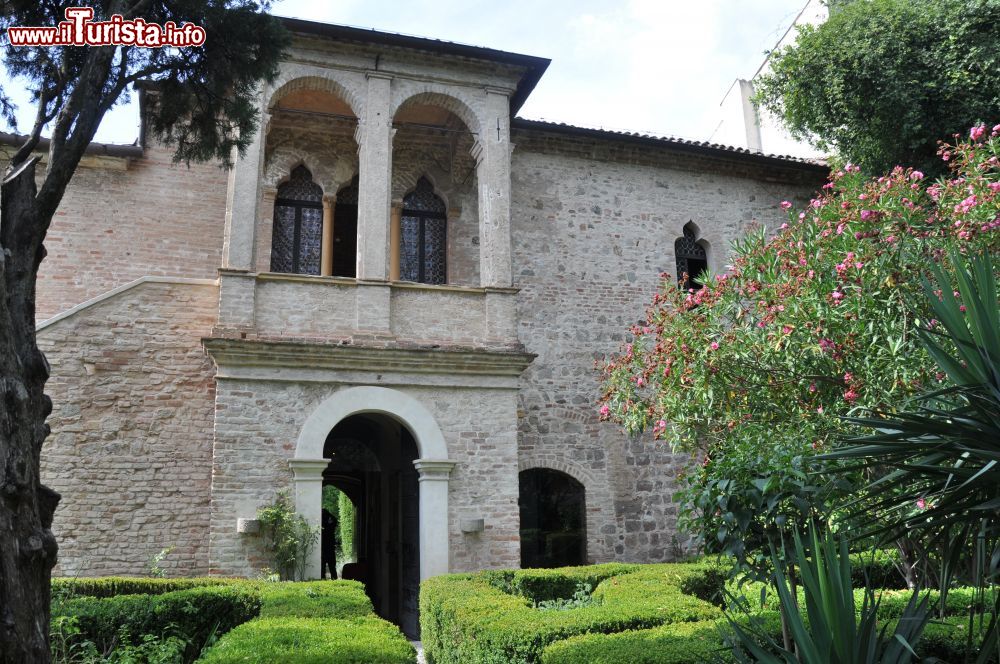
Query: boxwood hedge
641,614
316,621
357,640
491,617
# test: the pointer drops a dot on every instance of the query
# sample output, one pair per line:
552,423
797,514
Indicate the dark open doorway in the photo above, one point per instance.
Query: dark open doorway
553,519
372,463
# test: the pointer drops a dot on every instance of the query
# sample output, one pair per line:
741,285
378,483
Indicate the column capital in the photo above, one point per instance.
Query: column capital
374,73
308,469
434,469
494,90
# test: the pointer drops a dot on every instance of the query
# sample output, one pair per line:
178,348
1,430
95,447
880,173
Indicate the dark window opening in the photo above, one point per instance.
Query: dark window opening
297,239
553,519
424,242
692,260
345,231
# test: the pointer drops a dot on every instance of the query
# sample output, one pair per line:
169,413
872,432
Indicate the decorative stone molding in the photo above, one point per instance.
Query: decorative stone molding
434,470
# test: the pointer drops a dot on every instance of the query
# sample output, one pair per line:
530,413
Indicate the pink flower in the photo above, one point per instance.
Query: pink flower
921,504
850,396
785,205
867,214
837,295
605,411
812,387
977,132
713,346
995,187
916,175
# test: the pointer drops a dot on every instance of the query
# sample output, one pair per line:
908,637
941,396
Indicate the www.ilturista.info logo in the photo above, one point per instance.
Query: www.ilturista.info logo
79,29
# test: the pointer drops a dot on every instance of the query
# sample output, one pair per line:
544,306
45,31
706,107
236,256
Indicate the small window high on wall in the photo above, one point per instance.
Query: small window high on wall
297,239
424,236
692,258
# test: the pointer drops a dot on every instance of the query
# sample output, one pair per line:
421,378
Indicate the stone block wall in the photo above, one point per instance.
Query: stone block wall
593,225
131,444
120,221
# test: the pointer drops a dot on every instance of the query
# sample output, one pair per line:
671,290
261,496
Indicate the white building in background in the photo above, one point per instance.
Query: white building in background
742,125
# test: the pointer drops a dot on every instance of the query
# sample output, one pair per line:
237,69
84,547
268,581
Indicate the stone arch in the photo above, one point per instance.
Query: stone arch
446,101
433,465
321,81
367,399
579,474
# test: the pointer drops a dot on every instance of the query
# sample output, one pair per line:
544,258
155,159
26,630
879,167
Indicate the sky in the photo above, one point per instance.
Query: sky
651,66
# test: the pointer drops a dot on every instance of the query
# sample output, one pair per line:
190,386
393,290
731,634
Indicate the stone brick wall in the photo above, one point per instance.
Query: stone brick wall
116,224
593,225
131,444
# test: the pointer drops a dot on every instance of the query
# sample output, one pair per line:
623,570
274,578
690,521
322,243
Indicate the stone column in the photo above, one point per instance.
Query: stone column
434,530
492,152
326,257
374,137
395,239
242,200
309,502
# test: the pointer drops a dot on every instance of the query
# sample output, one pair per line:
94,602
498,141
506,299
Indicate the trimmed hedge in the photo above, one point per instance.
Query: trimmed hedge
195,614
315,599
112,586
358,640
470,619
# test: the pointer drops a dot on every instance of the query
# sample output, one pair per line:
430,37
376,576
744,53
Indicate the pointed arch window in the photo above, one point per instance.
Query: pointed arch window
297,238
692,259
424,236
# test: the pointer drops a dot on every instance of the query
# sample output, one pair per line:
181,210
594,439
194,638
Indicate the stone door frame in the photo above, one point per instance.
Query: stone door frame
433,466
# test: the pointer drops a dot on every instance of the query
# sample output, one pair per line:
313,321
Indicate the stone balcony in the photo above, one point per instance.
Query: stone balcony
373,313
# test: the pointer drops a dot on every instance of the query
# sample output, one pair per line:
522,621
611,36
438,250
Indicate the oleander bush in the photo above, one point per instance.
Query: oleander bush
356,640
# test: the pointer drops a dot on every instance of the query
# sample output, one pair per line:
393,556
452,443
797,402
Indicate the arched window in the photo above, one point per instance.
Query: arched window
553,519
296,244
692,259
424,242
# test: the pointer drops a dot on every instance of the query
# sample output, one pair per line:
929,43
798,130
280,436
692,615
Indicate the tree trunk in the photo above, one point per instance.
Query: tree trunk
27,546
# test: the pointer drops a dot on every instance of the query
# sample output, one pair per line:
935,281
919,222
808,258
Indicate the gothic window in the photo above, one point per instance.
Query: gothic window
296,243
692,259
424,242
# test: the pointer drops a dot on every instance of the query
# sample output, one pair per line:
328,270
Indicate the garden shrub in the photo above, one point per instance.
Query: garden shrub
315,599
110,586
357,640
490,617
196,615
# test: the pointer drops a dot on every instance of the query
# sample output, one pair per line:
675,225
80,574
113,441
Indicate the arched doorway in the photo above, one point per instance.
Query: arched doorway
387,408
372,459
553,519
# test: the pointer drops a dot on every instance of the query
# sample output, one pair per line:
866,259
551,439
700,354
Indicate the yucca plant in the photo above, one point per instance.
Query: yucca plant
941,478
833,630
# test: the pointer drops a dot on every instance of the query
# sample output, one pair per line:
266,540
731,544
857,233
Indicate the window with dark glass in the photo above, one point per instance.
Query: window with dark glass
424,243
296,243
345,231
692,259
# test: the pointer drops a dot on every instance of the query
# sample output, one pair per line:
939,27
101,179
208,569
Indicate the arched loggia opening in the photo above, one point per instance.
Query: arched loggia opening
553,519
